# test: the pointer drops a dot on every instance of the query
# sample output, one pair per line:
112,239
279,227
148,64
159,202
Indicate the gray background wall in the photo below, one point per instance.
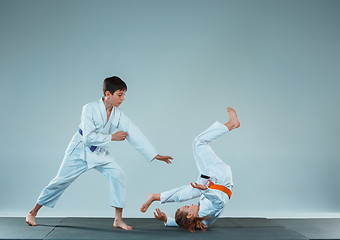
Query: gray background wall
275,62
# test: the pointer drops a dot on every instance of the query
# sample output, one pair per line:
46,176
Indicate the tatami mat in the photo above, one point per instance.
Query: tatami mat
227,228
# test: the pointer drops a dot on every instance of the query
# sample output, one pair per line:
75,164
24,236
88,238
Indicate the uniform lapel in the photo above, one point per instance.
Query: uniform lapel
116,116
103,111
107,124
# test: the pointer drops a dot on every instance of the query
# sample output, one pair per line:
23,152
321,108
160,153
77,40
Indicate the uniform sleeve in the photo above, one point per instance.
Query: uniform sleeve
170,222
136,138
180,194
212,197
90,137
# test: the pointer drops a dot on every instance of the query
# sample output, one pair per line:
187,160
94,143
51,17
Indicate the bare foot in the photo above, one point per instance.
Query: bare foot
233,120
121,224
30,219
147,203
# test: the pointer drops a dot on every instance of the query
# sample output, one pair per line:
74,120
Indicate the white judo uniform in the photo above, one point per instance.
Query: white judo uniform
212,201
89,149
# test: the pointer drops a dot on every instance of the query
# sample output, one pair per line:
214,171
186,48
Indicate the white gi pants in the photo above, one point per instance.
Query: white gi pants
208,163
71,168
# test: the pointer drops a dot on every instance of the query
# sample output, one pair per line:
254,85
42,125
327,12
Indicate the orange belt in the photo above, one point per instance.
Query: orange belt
220,187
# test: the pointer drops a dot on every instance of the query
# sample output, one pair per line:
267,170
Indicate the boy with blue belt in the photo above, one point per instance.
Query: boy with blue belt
89,149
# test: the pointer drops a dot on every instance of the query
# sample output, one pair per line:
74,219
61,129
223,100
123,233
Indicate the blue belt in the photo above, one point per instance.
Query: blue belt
92,148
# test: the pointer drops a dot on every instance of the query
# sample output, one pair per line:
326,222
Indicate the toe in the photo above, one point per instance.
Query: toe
31,223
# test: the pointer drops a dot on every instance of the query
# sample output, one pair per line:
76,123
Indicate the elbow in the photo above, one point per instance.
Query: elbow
198,142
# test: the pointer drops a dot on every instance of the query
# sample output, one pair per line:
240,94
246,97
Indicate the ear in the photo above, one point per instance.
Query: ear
107,93
190,215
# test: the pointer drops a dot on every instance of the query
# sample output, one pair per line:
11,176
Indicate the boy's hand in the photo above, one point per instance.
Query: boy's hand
119,136
164,158
199,186
161,216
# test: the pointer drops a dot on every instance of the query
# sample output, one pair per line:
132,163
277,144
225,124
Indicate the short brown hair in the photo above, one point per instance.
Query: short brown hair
113,84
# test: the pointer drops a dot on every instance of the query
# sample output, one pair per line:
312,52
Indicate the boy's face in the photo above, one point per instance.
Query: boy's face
116,98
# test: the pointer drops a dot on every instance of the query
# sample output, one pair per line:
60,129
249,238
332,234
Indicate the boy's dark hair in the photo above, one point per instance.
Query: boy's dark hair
113,84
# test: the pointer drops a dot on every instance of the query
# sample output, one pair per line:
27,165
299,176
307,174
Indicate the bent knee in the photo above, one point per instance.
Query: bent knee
117,174
60,181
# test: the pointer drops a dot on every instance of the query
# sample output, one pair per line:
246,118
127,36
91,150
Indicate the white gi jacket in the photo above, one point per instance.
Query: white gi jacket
97,131
211,201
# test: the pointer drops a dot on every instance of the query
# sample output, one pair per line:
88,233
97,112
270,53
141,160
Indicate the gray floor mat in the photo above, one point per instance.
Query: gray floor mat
17,228
226,228
101,228
321,228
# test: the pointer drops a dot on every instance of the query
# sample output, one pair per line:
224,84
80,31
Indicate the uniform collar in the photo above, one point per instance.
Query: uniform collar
102,110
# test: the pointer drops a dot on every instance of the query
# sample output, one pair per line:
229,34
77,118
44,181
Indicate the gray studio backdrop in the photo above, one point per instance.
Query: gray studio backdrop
275,62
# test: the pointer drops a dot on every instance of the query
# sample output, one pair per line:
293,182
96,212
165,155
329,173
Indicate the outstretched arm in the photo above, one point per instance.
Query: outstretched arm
138,140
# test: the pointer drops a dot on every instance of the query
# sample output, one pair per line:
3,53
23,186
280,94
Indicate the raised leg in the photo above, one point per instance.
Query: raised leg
233,122
206,159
